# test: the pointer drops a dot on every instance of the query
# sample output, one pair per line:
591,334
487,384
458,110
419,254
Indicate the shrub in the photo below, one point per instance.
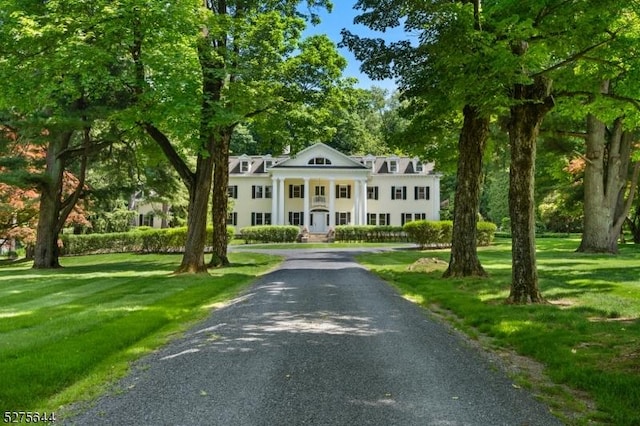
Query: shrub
269,234
143,239
429,233
486,233
370,233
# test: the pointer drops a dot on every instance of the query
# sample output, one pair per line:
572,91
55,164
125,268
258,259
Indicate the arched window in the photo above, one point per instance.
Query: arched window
320,161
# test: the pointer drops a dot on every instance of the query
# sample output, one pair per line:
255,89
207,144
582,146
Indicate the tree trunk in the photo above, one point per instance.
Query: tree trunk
220,199
605,179
46,253
193,257
464,260
532,103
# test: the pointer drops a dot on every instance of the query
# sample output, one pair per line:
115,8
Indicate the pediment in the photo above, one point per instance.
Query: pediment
320,155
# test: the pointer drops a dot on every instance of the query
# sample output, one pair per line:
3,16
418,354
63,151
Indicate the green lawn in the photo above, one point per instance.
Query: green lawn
65,333
587,337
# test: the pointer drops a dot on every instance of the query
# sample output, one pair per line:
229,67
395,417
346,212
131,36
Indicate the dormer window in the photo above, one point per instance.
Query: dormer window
393,166
418,166
369,161
319,161
245,166
268,162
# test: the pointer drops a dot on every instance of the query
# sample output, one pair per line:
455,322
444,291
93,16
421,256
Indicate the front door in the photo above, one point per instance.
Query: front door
319,222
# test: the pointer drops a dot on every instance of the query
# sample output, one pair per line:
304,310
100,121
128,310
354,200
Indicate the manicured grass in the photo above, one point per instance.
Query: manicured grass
587,337
306,246
65,333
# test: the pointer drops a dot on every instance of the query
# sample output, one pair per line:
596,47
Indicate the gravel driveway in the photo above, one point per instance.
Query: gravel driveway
319,341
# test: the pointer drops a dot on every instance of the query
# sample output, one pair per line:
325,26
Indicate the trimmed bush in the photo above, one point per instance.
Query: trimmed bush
429,233
370,234
486,233
143,239
269,234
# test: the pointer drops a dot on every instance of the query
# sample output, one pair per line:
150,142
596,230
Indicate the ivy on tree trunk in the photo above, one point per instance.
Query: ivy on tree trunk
532,104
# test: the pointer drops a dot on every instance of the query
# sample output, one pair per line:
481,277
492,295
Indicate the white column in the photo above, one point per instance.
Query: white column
274,201
306,200
364,202
281,215
332,203
356,210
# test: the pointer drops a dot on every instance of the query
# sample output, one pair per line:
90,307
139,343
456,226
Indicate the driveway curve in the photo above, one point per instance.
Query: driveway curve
319,341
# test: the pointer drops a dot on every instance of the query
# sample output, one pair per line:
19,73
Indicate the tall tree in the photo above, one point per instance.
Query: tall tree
60,79
430,79
246,60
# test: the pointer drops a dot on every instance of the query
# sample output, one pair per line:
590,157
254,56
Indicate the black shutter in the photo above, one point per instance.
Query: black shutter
415,192
348,218
388,219
253,219
290,194
302,191
290,218
348,191
404,192
337,192
253,191
302,217
393,192
428,192
375,190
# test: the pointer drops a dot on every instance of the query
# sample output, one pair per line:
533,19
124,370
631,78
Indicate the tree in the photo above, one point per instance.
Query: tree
61,73
497,59
431,80
247,60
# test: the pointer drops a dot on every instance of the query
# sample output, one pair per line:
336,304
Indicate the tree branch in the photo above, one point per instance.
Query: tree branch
574,57
187,176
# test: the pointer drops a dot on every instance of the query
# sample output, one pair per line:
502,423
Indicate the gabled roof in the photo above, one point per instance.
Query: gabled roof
337,159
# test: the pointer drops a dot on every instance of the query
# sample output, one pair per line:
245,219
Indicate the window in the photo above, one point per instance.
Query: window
372,192
146,220
296,218
319,190
421,192
343,218
268,163
296,191
232,191
398,192
419,216
393,166
343,191
371,218
406,217
245,166
419,167
369,164
257,191
384,219
260,219
320,161
232,218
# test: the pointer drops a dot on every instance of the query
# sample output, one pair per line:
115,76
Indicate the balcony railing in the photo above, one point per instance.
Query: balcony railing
319,200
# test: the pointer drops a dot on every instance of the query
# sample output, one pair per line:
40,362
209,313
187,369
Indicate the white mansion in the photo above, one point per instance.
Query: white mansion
320,188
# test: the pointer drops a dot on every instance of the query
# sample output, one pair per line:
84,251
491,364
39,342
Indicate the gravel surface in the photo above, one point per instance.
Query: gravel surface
319,341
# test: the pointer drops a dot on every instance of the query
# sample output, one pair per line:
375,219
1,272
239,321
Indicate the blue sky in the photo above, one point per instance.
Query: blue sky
341,17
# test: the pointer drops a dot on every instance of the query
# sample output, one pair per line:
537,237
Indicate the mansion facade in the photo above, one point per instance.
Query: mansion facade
319,188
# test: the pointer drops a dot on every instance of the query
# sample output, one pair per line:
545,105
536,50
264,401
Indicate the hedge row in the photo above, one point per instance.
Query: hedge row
269,234
370,234
427,233
143,240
